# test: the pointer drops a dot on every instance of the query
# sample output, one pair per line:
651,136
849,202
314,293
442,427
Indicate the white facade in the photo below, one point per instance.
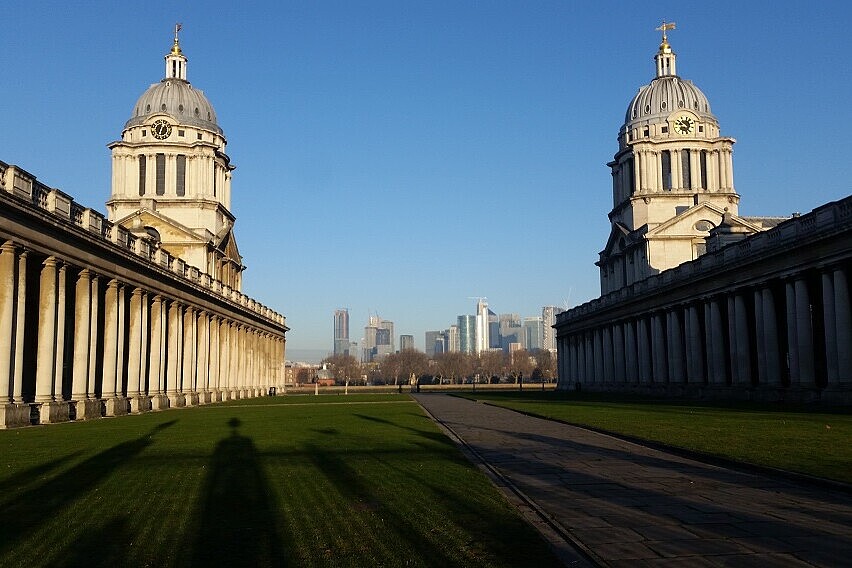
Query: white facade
171,177
482,331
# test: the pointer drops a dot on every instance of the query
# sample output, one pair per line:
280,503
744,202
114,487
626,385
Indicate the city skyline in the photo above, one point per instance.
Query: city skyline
367,139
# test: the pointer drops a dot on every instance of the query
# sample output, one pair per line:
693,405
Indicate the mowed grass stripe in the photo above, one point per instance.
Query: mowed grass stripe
804,439
324,484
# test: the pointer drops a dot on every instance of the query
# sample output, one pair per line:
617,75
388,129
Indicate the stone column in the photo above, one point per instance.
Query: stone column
608,362
618,349
675,347
157,356
580,346
113,345
18,378
597,348
202,366
804,330
82,345
792,334
189,356
743,354
716,357
694,345
235,375
843,319
135,387
658,353
770,334
51,410
829,318
13,412
644,351
8,253
174,385
631,359
121,364
225,359
213,356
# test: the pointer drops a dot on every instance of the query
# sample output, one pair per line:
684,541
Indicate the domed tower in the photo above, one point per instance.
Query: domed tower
171,177
672,178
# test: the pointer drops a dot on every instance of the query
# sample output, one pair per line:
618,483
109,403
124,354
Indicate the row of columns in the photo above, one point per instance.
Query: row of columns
149,352
796,332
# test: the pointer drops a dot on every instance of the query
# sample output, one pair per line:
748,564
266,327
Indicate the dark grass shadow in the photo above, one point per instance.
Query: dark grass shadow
33,507
31,475
102,546
430,435
237,519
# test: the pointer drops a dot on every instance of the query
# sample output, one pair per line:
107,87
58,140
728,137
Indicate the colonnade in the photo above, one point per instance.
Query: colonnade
75,343
787,334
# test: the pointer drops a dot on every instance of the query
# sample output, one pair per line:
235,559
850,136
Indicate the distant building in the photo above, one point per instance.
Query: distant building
453,339
341,332
467,333
548,334
532,333
493,331
436,342
510,330
378,339
406,342
481,334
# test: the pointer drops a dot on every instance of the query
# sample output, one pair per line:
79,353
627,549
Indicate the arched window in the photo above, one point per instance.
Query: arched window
666,159
703,169
180,182
161,174
153,233
143,167
684,167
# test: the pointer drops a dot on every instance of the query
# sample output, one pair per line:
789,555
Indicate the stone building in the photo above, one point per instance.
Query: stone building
141,311
697,300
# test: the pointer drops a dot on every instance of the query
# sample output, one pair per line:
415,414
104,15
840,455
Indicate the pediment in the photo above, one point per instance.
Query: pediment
698,220
170,231
619,239
227,245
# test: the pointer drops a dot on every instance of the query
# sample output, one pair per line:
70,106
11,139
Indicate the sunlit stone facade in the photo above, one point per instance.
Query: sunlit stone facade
696,300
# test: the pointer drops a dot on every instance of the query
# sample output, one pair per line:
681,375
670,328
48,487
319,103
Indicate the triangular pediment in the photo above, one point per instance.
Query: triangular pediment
170,231
698,220
227,245
619,239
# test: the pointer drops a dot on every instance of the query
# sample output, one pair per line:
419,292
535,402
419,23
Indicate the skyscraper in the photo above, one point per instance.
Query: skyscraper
453,339
481,337
467,333
532,333
341,331
406,342
548,334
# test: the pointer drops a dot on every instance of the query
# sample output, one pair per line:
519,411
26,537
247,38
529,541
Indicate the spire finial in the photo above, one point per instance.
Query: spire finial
176,46
664,46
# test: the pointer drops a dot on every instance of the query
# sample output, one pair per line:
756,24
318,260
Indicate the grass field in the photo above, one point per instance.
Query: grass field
302,481
806,440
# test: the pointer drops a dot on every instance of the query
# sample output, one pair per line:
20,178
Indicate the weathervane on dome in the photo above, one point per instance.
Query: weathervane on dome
176,46
664,28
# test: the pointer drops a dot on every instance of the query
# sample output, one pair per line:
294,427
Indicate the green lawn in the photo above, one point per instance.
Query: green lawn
812,441
301,480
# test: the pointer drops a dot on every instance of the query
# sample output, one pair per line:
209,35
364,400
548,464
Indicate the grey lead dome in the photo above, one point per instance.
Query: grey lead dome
176,98
665,95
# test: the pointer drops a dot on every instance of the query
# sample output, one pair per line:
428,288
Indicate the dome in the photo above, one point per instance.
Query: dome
665,95
176,98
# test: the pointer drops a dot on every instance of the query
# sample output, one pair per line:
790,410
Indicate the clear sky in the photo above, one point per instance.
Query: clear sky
398,157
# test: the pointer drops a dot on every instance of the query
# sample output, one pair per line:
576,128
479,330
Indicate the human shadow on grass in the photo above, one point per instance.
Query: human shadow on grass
25,513
237,519
18,481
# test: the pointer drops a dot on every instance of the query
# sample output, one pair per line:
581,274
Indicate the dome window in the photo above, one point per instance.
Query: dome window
208,115
663,105
695,105
163,107
196,111
647,109
180,108
147,108
680,104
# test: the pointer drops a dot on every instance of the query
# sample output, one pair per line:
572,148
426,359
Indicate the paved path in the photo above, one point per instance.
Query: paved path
627,505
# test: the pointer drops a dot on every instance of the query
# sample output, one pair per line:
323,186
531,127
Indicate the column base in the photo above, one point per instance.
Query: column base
837,393
88,409
205,397
176,400
217,396
235,394
52,412
14,415
139,404
192,399
116,406
159,402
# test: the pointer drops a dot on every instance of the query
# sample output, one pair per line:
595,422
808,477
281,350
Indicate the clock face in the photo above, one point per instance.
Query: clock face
161,129
684,125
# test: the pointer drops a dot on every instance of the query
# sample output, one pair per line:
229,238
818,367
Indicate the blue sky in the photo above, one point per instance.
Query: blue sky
398,157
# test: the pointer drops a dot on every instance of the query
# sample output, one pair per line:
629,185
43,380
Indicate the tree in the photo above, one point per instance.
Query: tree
545,362
455,366
492,364
522,363
412,362
343,367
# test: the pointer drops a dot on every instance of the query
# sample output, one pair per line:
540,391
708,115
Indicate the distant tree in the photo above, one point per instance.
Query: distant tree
390,368
545,362
491,364
412,362
522,363
343,368
454,366
304,376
